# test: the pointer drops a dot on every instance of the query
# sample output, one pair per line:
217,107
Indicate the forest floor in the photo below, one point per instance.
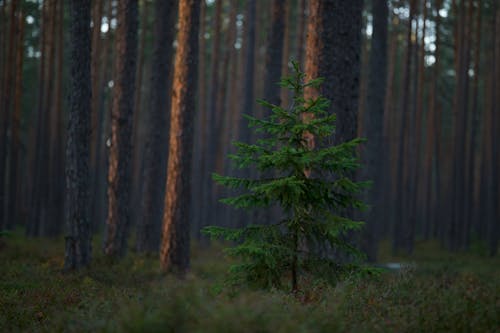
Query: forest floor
436,292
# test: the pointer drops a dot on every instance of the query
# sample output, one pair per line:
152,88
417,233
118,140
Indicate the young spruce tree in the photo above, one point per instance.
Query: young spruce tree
312,187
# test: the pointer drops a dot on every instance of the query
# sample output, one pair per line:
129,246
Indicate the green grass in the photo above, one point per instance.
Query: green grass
439,292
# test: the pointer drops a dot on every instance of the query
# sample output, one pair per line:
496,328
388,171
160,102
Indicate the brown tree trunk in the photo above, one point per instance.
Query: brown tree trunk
174,253
120,151
78,233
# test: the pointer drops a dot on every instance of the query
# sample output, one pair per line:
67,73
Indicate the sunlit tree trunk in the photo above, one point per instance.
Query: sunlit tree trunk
174,253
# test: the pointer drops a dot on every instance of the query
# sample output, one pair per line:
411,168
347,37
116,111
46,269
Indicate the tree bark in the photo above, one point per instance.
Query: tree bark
120,151
374,120
174,253
155,160
78,236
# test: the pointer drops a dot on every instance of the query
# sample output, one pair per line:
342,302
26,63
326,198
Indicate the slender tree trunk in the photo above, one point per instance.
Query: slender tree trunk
211,132
199,161
400,222
174,253
459,130
301,32
374,120
78,234
15,145
274,53
9,77
120,151
430,198
344,34
138,126
155,162
494,228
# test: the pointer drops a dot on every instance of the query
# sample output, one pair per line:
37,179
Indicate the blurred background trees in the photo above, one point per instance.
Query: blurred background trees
417,78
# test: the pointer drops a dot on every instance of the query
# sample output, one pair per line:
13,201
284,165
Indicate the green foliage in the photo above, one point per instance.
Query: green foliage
312,185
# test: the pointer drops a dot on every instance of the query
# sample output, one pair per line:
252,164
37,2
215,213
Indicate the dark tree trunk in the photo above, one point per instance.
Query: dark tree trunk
155,160
400,222
301,31
78,236
15,144
120,151
341,63
274,53
374,118
174,253
210,127
5,104
248,93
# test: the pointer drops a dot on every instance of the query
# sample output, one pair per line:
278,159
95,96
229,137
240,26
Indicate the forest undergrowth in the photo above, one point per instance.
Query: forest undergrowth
435,291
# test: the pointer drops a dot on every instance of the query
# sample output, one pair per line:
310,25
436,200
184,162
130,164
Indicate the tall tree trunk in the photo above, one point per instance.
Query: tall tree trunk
430,152
200,135
155,160
344,22
400,222
389,128
249,76
274,53
210,127
174,253
461,102
15,145
138,126
9,77
374,120
472,214
494,228
78,234
301,32
120,151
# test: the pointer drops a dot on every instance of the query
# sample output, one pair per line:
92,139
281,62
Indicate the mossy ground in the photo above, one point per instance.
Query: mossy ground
437,292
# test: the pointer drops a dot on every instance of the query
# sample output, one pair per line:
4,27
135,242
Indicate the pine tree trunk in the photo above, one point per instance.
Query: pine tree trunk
174,253
374,120
15,145
78,233
6,102
400,222
120,151
155,160
274,53
472,215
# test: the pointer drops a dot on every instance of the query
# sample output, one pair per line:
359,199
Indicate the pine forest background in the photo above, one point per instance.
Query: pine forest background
419,79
